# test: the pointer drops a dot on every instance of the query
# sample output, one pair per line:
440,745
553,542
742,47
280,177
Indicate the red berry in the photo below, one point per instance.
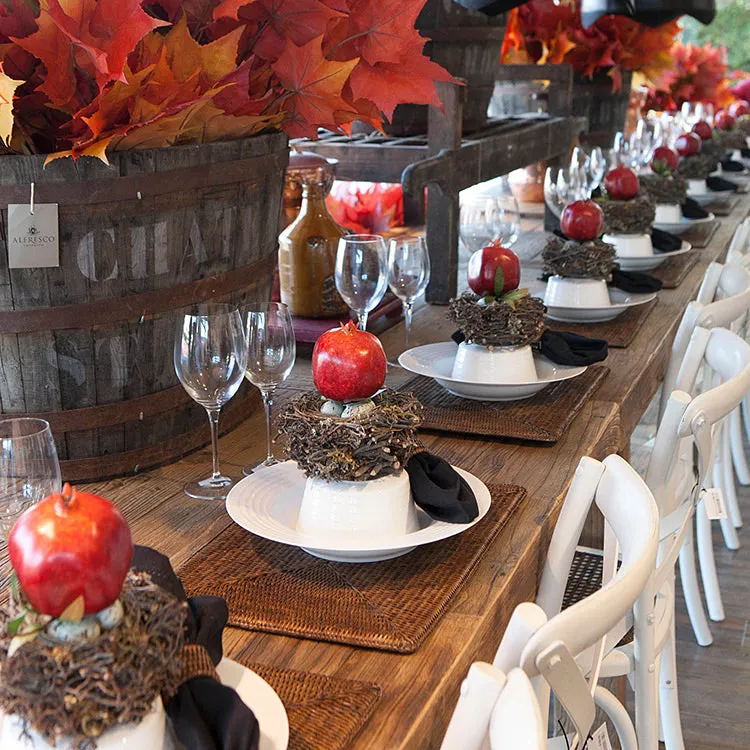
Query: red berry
494,270
688,144
723,120
582,220
664,160
703,130
621,184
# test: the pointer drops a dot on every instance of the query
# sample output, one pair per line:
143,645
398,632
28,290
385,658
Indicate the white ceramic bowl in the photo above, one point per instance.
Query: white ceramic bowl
697,187
150,733
630,245
375,509
494,364
668,213
563,292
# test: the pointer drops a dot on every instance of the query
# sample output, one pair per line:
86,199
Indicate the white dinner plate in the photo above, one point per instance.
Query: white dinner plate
683,225
712,196
647,262
436,361
621,301
267,503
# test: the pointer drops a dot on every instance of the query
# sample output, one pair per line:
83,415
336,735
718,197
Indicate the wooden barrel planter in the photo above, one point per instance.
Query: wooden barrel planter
467,43
606,110
89,345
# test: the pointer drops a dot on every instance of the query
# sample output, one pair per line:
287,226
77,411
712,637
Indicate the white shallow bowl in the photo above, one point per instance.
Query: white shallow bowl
494,364
267,504
378,508
697,187
436,361
684,224
566,292
150,734
669,213
652,261
713,196
630,245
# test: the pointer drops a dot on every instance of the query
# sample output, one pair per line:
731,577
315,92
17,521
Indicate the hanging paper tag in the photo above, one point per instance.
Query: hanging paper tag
713,499
33,239
600,739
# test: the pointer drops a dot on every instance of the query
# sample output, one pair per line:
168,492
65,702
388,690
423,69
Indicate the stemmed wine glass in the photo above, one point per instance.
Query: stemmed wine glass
597,167
29,469
361,273
210,354
271,351
408,273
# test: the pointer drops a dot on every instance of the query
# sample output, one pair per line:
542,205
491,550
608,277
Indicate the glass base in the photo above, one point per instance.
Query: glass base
248,470
210,489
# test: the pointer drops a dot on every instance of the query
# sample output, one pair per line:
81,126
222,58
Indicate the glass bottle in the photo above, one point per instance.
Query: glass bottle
307,247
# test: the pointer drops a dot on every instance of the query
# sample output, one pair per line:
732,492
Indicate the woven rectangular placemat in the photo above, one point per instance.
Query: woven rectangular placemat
391,605
618,332
700,235
723,206
674,270
325,713
544,417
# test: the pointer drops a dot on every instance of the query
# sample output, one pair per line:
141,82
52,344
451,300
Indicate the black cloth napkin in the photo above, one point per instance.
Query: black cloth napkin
729,165
205,714
719,184
665,242
745,153
635,282
566,348
439,490
491,7
691,209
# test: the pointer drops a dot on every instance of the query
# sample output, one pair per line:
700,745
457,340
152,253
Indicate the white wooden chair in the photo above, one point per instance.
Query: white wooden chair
517,722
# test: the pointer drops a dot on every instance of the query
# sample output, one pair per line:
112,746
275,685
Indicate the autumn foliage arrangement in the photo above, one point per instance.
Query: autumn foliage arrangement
545,32
81,77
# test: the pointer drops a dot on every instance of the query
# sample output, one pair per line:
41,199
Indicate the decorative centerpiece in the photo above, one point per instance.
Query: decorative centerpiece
499,321
87,649
729,136
695,165
352,439
628,214
579,265
666,188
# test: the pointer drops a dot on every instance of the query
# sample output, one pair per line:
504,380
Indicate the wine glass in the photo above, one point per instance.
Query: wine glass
271,351
210,354
475,222
361,273
597,167
504,214
29,469
408,273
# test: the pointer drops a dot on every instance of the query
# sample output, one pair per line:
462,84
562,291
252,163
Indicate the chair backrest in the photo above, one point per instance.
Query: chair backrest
740,244
517,722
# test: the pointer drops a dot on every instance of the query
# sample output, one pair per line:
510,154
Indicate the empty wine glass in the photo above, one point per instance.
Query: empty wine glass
361,273
597,167
505,217
551,198
29,469
408,273
271,351
476,221
210,354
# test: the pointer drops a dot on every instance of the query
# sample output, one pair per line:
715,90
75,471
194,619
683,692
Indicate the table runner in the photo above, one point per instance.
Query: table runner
723,206
544,417
673,271
701,235
391,605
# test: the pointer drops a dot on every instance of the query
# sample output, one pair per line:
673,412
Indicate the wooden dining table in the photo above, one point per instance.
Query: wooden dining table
419,690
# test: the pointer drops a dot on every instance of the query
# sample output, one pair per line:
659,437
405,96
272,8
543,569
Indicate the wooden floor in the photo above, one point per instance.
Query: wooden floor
714,682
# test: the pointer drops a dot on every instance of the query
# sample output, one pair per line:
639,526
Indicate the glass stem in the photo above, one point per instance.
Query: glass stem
362,318
213,418
267,404
408,310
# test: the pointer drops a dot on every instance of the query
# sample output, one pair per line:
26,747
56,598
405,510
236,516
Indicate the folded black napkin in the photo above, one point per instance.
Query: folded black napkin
491,7
635,282
205,714
439,490
745,153
691,209
566,348
719,184
729,165
665,242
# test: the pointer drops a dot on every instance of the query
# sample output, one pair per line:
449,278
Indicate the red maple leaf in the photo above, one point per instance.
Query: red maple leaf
18,17
313,87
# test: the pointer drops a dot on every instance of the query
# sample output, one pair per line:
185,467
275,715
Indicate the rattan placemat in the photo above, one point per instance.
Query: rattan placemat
325,713
674,270
618,332
544,417
700,235
723,206
391,605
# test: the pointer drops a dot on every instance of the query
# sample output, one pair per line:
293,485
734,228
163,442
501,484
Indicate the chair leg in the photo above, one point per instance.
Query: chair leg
746,414
646,678
731,540
669,705
738,450
708,564
693,601
733,506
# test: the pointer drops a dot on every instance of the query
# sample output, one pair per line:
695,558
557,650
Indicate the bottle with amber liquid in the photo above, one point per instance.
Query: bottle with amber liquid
307,247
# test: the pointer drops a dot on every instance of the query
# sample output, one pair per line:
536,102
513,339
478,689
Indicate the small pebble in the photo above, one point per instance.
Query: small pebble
358,409
110,617
332,408
71,632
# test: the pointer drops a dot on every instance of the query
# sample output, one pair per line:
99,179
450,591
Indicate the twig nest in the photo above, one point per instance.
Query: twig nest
743,125
370,439
572,259
728,140
698,167
665,188
514,320
628,217
67,687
